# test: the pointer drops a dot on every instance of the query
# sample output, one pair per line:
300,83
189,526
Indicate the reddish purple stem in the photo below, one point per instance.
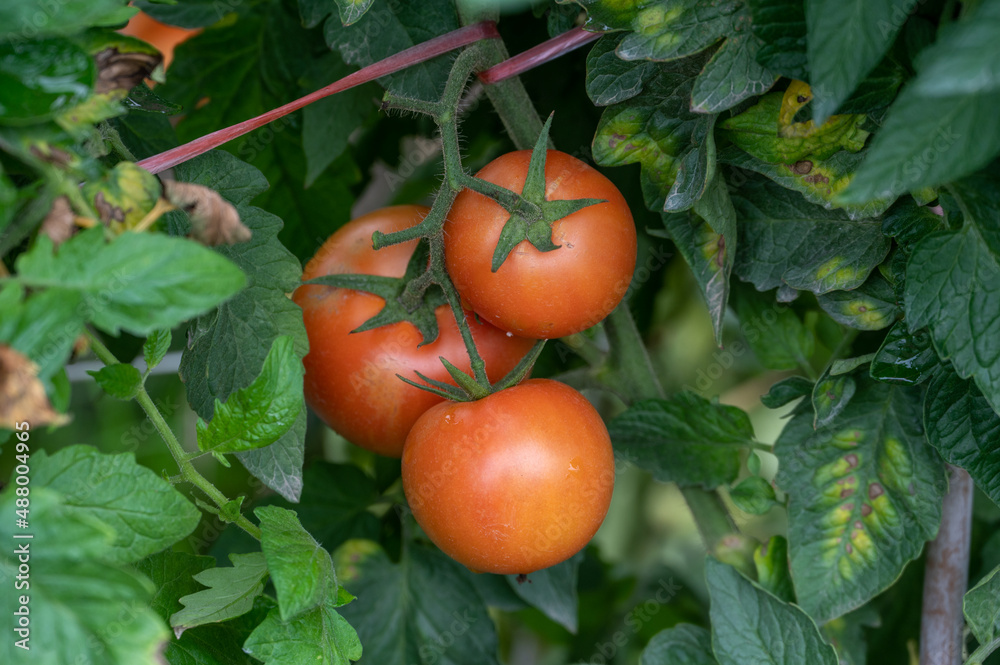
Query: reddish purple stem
411,56
538,55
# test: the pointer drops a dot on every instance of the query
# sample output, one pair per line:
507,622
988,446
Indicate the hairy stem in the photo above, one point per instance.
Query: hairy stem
188,472
946,575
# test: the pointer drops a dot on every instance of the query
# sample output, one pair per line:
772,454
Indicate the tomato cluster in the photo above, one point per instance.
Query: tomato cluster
519,480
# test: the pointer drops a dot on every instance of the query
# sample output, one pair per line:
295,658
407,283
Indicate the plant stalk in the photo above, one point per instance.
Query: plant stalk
946,575
188,472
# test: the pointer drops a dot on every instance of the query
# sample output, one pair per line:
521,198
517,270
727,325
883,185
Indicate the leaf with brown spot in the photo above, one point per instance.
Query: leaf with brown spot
22,395
214,221
58,224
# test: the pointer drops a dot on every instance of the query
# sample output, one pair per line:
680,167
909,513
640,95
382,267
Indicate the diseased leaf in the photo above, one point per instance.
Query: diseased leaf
749,625
785,240
138,282
831,395
864,494
685,439
230,593
427,601
963,427
707,241
871,306
658,130
301,570
145,511
256,416
846,40
683,644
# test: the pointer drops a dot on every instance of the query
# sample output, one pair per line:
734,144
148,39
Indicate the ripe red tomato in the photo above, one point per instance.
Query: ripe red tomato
351,380
512,483
543,294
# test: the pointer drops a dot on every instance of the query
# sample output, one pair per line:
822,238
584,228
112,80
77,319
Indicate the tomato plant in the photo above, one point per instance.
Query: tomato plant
512,483
351,377
543,294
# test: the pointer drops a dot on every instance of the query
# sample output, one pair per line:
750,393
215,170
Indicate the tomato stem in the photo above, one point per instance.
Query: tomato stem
188,472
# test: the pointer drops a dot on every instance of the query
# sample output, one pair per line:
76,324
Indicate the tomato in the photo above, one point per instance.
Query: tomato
512,483
543,294
351,380
164,37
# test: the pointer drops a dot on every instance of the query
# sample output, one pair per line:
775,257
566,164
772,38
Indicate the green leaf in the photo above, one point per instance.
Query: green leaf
964,428
753,495
120,381
683,644
334,504
352,10
190,13
138,282
864,493
943,125
785,240
43,327
847,634
388,28
663,29
321,636
982,608
426,602
553,591
871,306
780,26
40,79
965,57
213,644
953,288
770,560
685,439
766,130
818,180
786,390
75,595
904,357
774,331
658,130
227,347
301,570
846,40
34,18
230,592
749,625
611,80
256,416
155,347
145,511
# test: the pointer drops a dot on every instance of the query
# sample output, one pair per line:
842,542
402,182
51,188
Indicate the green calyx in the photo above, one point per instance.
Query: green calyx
532,216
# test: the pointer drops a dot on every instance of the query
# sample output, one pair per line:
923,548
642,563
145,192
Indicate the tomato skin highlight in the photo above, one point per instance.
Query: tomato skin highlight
543,294
350,379
512,483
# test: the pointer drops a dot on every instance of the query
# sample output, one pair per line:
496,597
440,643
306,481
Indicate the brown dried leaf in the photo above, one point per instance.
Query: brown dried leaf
22,396
123,71
58,224
214,221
